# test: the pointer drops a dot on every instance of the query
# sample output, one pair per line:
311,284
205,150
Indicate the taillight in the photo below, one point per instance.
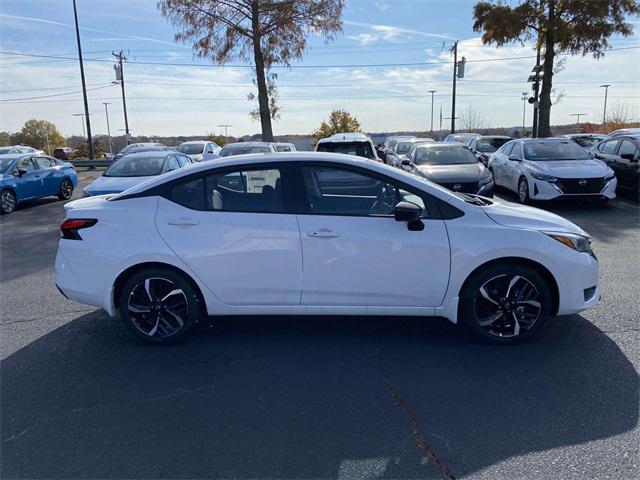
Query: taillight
70,227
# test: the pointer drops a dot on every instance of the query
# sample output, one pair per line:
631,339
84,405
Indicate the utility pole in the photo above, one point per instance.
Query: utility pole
84,133
606,92
441,118
536,92
432,92
578,115
120,77
525,97
84,85
225,126
106,111
453,98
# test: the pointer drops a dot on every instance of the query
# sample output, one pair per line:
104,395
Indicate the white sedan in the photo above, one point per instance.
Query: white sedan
550,169
232,237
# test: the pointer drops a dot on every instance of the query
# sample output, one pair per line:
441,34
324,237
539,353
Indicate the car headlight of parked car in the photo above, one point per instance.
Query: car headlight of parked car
542,176
579,243
486,180
610,175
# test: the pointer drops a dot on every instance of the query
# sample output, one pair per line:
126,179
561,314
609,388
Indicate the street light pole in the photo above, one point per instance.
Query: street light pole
578,115
106,111
84,133
84,85
606,92
225,126
432,92
525,97
453,97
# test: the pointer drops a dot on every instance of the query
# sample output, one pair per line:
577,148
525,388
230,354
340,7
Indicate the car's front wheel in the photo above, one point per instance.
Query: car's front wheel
505,303
523,191
159,305
7,202
66,190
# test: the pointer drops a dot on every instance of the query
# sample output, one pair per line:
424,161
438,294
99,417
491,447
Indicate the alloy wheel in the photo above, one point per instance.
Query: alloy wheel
8,202
158,307
507,305
523,191
66,189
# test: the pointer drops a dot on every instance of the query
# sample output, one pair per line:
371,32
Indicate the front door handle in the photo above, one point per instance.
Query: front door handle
183,222
322,233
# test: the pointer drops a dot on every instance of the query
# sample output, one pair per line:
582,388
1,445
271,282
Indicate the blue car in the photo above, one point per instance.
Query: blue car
26,176
135,168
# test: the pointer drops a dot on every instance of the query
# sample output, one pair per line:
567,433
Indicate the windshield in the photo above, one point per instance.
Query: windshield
403,147
549,151
444,156
283,148
490,145
191,148
586,141
5,163
5,150
227,152
132,166
359,149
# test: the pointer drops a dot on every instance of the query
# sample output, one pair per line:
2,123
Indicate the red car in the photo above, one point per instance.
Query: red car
62,153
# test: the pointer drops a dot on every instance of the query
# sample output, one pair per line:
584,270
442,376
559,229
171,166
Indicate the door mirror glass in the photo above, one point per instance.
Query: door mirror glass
514,158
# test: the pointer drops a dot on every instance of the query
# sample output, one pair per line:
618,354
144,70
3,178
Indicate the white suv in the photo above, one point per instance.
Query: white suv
357,144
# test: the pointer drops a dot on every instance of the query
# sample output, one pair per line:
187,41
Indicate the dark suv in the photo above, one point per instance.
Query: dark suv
622,154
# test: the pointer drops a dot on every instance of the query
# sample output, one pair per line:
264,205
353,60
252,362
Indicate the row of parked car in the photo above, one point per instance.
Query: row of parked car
578,166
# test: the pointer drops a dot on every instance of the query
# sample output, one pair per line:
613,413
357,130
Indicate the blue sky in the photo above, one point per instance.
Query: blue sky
191,100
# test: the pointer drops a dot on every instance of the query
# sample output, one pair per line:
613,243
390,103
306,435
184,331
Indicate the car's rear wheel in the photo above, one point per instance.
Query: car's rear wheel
159,305
505,303
523,191
7,202
66,190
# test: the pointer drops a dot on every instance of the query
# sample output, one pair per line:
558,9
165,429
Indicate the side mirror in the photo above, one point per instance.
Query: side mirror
21,171
514,158
410,213
406,163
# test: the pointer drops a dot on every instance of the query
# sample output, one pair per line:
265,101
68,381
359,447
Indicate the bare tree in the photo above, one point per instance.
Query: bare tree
472,119
267,32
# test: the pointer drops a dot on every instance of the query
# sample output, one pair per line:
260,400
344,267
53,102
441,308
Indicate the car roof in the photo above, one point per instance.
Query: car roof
495,136
441,144
576,135
345,137
196,141
150,153
248,144
9,156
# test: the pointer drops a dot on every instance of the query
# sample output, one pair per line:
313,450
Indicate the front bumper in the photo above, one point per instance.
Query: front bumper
577,281
543,190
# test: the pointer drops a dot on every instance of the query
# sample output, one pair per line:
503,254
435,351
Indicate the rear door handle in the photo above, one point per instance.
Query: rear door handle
184,222
322,233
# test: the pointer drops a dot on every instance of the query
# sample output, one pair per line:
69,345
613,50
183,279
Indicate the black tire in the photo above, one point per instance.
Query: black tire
166,322
7,202
66,189
519,317
523,191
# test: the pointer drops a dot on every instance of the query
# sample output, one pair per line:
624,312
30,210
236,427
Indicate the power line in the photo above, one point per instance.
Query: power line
362,65
54,94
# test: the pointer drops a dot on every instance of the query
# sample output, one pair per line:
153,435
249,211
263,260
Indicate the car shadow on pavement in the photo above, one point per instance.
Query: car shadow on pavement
304,397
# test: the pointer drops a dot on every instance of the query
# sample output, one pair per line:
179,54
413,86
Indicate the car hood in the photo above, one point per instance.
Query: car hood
103,185
521,216
590,168
471,172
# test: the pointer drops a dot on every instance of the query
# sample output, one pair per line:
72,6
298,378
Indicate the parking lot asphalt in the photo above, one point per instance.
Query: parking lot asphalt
315,397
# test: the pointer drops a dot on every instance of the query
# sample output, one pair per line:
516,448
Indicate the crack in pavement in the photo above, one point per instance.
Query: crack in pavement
415,423
179,392
2,324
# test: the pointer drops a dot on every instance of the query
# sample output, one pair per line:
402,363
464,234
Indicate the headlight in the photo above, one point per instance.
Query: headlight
573,241
486,181
542,176
610,176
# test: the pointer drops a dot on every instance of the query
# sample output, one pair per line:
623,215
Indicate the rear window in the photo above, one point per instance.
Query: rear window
443,156
132,166
490,145
359,149
191,148
586,141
